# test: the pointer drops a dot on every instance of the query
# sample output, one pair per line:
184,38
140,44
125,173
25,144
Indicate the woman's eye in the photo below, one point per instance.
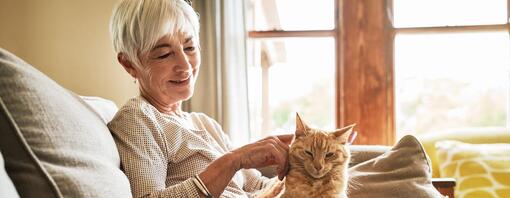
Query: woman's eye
328,155
309,153
164,56
190,49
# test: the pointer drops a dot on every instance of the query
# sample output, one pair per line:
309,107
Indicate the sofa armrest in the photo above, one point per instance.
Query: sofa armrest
445,186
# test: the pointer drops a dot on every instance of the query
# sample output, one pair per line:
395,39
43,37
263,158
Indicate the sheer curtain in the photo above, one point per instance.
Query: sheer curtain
221,89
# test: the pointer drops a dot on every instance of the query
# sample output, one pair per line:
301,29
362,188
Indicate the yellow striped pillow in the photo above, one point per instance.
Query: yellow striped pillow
481,170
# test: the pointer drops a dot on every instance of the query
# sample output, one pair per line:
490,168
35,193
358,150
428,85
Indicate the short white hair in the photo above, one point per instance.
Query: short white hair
136,25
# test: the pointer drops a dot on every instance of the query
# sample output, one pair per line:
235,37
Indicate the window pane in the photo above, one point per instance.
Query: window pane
290,75
290,14
418,13
446,81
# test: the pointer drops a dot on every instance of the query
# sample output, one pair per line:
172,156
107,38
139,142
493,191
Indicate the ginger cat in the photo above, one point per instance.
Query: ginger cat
318,162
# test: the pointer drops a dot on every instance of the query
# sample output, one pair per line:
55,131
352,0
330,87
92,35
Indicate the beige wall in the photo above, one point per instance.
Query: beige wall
68,40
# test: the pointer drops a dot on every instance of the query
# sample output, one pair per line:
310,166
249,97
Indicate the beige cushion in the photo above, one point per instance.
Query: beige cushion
64,136
404,171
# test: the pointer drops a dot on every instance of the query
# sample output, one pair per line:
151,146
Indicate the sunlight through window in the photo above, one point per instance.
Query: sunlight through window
451,79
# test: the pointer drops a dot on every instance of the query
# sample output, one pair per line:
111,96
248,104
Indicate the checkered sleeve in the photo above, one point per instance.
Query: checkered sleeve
254,180
144,156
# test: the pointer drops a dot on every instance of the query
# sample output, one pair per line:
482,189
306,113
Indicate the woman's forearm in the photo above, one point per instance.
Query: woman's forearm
268,151
219,173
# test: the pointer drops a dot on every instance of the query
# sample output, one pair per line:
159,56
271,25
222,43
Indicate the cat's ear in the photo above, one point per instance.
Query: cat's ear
343,134
301,127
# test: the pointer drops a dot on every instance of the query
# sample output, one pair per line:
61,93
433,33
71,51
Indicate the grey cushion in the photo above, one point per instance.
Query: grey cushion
402,172
7,189
64,136
22,165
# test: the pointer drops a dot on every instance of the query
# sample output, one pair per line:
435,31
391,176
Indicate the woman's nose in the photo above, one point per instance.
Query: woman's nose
182,63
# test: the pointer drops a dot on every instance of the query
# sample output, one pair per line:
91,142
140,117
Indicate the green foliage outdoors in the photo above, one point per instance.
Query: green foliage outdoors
446,103
315,108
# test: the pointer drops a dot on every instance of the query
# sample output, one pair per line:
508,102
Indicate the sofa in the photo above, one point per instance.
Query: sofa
55,143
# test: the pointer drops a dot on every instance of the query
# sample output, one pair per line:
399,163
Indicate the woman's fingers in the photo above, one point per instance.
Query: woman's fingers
282,173
287,138
283,142
272,150
282,156
278,155
280,143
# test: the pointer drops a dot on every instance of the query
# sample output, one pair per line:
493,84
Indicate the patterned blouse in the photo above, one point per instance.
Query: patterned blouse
160,153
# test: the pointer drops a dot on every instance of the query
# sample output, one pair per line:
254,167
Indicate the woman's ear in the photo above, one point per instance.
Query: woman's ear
127,64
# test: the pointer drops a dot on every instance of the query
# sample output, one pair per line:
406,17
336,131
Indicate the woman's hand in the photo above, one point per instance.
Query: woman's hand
272,150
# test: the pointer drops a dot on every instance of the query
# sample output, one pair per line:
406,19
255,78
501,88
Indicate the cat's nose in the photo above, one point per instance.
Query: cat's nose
317,166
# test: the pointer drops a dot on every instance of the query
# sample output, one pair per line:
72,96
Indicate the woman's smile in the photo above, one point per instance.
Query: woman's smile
181,82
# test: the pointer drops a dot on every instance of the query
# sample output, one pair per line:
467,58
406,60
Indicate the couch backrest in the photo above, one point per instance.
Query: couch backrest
68,149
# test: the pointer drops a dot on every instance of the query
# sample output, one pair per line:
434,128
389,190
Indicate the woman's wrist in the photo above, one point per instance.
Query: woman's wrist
219,173
233,160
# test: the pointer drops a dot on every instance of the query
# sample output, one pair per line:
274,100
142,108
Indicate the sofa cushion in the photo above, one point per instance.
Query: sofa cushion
402,172
481,170
106,109
22,165
63,137
469,135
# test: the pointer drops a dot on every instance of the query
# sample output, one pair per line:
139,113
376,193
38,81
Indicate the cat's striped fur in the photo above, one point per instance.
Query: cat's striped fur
318,162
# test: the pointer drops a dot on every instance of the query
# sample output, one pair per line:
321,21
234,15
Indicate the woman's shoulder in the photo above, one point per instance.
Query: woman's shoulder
202,118
135,104
137,118
205,122
134,111
199,115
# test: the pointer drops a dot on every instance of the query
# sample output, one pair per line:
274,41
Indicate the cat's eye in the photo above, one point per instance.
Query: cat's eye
309,153
328,155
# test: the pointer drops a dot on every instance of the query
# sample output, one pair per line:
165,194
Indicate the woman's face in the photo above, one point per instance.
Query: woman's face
169,70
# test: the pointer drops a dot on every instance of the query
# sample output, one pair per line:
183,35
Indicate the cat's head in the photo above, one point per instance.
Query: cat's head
318,151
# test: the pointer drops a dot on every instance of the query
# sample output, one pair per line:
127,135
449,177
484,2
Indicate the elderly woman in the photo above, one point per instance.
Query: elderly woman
165,151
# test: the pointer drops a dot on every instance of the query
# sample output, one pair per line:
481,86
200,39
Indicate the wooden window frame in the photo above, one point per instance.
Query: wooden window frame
291,34
365,70
366,66
452,29
364,43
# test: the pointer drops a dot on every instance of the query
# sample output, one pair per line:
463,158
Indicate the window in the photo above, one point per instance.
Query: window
291,64
452,65
400,66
